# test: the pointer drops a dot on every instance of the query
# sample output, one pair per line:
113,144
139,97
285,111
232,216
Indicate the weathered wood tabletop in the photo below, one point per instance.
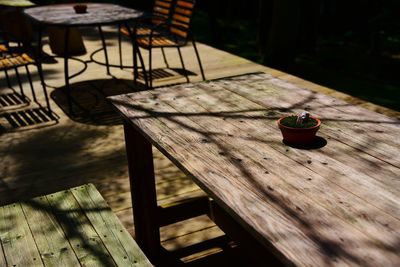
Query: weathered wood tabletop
68,228
336,205
97,14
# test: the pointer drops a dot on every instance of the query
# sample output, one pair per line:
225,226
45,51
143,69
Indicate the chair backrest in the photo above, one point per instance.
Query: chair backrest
161,11
181,18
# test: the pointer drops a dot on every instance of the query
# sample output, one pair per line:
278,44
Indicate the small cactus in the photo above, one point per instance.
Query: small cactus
303,117
303,120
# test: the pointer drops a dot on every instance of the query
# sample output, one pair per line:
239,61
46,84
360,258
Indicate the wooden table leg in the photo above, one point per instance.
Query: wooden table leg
144,198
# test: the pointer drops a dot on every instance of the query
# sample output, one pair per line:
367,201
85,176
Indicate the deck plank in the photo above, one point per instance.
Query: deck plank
165,194
192,231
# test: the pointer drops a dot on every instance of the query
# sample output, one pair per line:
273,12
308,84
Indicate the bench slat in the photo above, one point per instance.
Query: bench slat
73,227
2,257
17,242
49,237
81,235
115,237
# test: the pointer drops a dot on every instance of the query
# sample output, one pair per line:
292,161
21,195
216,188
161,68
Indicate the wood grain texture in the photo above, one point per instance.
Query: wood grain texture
84,240
121,246
2,257
50,240
367,165
310,207
69,228
256,158
353,125
355,208
17,243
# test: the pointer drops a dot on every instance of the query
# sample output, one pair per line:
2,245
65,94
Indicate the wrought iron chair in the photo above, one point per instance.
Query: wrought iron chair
12,58
160,14
173,32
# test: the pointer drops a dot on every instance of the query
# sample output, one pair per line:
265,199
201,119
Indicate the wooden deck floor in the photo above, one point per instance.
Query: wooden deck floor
52,156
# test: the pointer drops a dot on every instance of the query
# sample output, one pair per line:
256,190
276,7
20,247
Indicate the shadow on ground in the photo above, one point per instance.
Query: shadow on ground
89,103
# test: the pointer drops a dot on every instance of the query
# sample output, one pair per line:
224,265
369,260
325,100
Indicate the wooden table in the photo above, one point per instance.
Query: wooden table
333,205
64,16
68,228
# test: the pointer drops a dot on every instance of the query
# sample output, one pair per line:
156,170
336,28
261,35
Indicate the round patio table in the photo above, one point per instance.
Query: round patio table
64,15
96,14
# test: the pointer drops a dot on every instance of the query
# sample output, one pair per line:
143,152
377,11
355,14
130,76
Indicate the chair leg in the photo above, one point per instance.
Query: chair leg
120,46
198,59
19,82
150,71
165,58
7,78
134,48
137,53
40,72
183,64
28,73
103,41
66,72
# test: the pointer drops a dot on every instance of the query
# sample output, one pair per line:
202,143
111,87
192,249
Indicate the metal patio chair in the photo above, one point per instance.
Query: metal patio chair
173,32
15,58
160,14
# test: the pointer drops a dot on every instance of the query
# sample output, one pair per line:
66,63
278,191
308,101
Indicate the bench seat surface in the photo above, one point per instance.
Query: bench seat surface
74,227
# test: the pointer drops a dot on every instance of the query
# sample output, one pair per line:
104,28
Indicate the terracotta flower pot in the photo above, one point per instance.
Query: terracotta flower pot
80,8
299,136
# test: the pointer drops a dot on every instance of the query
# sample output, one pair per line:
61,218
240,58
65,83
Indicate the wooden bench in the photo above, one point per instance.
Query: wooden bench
74,227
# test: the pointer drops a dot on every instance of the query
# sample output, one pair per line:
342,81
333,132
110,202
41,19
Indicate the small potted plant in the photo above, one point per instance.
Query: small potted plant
80,8
299,129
